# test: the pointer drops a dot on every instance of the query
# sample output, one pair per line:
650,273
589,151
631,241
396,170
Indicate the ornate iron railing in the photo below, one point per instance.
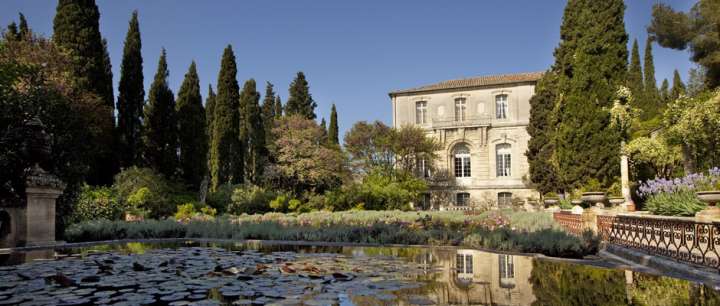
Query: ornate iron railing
604,226
683,239
572,223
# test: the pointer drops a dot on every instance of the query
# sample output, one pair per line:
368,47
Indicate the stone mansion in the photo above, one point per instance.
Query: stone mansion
481,124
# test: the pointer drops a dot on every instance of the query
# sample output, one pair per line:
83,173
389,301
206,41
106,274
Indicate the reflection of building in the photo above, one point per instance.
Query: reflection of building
472,277
480,123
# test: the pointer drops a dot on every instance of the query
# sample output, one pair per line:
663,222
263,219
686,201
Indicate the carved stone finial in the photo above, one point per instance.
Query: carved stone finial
37,177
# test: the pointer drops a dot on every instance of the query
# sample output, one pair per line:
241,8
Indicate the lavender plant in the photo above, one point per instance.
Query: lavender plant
676,197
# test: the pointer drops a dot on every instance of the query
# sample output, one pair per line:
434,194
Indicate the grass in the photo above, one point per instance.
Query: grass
505,231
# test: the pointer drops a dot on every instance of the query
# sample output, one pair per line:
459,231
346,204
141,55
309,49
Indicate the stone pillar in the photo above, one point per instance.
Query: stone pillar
629,205
42,190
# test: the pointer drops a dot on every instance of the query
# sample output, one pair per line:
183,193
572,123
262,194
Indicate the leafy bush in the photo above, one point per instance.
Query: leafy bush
97,203
189,211
221,198
250,199
145,190
566,204
678,203
378,191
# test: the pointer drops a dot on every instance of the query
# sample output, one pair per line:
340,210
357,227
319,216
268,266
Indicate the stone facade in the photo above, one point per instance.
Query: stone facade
481,125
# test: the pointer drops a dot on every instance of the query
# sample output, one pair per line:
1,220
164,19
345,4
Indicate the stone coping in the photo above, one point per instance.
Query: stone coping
645,215
656,264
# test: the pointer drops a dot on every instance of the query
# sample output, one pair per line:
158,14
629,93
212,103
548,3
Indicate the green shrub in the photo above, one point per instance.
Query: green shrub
221,198
145,190
97,203
250,199
189,211
679,203
565,204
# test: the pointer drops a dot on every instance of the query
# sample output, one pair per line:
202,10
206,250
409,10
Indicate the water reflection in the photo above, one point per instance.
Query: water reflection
467,277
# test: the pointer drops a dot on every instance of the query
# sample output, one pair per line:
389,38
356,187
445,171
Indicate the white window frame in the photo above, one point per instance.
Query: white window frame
461,161
465,199
420,112
460,109
501,106
503,160
504,199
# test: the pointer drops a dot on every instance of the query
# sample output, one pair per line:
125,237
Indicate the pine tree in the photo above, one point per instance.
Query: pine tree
268,112
278,107
76,28
635,76
333,138
160,130
678,87
226,151
541,128
587,144
252,132
192,129
131,97
23,29
651,96
300,101
665,92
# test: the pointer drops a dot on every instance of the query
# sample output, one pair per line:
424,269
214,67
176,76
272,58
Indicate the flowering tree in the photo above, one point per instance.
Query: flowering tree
654,152
694,123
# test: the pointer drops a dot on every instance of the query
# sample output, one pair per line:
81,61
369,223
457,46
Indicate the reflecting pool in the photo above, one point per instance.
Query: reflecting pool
254,273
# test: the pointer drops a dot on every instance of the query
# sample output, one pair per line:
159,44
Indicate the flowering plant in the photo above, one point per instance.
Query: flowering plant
691,182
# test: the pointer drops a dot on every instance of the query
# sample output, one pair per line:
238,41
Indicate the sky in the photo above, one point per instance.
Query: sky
352,52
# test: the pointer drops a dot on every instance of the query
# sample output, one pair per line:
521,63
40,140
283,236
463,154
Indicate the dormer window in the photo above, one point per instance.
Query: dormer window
420,112
501,107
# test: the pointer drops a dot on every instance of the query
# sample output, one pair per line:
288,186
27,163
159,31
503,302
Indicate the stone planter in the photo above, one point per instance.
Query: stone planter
576,202
551,201
712,212
597,198
615,201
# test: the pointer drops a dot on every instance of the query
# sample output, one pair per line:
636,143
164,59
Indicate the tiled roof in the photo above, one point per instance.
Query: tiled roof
487,80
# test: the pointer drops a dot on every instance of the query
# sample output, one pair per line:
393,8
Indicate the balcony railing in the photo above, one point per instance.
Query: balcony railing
468,121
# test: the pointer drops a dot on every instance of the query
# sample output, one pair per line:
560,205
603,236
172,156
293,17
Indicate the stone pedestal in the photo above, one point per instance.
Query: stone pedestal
712,212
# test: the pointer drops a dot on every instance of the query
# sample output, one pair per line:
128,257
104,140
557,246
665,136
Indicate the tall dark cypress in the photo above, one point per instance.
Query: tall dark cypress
652,96
333,138
131,97
209,120
226,152
12,32
252,132
541,128
23,29
678,87
76,28
192,128
635,76
278,107
587,144
268,111
160,131
324,136
665,92
300,101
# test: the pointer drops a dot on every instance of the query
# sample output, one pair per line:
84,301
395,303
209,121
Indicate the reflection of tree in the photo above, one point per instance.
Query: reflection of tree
648,290
559,284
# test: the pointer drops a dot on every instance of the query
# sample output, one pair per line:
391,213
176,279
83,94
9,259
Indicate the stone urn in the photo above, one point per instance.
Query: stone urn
615,201
576,202
712,211
597,198
551,201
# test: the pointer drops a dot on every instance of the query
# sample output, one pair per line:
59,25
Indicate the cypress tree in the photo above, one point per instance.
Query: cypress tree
23,29
209,128
268,112
333,137
252,132
324,135
192,129
635,76
587,144
665,92
678,87
278,107
300,101
160,131
76,28
651,97
131,97
226,152
12,33
541,128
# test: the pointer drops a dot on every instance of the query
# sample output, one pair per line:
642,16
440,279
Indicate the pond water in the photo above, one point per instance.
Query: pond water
253,273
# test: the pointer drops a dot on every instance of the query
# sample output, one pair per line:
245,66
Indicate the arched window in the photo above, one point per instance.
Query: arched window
503,159
461,155
501,106
460,108
420,112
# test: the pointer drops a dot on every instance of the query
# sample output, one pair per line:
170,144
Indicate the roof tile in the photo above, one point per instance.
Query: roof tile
487,80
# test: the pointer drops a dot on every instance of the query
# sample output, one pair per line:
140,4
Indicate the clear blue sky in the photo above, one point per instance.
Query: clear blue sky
353,52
